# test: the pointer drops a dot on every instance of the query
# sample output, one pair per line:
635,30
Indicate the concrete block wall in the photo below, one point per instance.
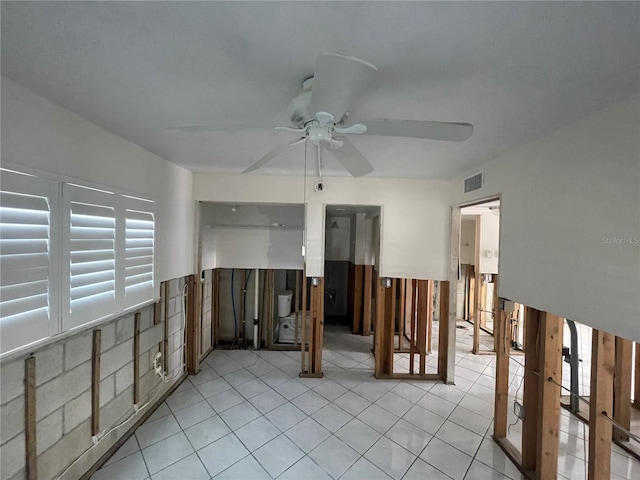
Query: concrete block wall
63,391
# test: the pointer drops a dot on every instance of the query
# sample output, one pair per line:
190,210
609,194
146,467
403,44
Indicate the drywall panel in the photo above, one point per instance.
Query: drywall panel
228,247
489,242
570,230
468,241
414,215
40,135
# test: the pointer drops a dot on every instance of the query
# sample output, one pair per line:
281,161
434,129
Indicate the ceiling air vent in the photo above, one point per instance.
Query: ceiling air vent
473,182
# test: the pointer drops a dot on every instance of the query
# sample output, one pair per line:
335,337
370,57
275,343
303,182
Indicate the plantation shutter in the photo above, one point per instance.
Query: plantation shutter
91,254
27,293
139,274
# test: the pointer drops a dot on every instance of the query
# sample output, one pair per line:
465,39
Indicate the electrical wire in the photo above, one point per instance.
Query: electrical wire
136,409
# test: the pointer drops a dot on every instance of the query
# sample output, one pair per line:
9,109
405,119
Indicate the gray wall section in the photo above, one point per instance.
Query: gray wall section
336,287
63,391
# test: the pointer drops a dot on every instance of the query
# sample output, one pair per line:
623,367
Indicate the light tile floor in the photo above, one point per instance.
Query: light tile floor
247,415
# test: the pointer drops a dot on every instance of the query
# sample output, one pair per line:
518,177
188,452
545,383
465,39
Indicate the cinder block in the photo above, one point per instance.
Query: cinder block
145,318
12,375
151,337
124,378
124,328
175,323
116,358
52,462
11,419
107,389
49,363
108,336
12,457
76,411
49,431
55,393
145,364
172,306
208,275
117,409
148,381
77,350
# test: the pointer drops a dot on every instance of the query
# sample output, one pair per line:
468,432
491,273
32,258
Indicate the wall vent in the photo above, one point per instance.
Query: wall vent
474,182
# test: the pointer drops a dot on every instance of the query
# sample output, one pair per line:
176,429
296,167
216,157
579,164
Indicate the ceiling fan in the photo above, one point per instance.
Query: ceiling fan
320,113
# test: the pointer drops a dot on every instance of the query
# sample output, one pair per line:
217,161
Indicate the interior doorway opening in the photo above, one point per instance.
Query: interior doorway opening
477,289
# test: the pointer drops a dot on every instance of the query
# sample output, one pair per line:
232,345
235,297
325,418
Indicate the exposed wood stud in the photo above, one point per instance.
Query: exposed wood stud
214,301
423,314
478,296
501,403
157,311
357,298
165,340
305,334
549,390
402,311
366,316
494,308
430,293
31,459
636,389
531,389
391,328
443,330
95,382
379,350
412,336
622,388
601,404
136,359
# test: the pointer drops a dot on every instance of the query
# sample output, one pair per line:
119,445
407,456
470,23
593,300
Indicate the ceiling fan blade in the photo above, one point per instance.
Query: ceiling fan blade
357,129
218,128
271,155
451,132
335,80
351,159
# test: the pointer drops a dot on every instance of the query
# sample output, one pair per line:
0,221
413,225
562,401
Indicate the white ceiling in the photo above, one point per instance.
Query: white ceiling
515,70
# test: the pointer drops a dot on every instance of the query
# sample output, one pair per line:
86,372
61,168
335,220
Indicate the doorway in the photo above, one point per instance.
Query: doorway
478,255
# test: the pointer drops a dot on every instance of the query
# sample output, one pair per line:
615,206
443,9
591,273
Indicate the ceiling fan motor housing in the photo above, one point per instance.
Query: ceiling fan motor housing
318,135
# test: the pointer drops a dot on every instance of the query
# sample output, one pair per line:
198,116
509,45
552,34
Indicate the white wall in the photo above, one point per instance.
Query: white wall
489,242
570,224
414,217
40,135
468,241
251,236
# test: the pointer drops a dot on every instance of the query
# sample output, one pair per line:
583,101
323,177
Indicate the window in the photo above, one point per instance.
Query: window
90,254
28,259
70,255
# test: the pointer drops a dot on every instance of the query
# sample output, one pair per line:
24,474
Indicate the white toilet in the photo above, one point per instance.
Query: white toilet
281,332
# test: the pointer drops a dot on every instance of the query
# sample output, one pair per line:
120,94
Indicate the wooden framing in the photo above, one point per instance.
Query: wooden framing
477,291
31,458
305,334
430,292
636,390
402,309
313,366
502,332
297,307
193,325
421,341
550,379
165,338
531,391
136,359
601,404
414,320
381,347
443,331
622,387
358,288
367,309
95,382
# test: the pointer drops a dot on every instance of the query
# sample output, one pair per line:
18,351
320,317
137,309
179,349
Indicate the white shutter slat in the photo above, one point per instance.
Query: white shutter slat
25,262
139,249
91,250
